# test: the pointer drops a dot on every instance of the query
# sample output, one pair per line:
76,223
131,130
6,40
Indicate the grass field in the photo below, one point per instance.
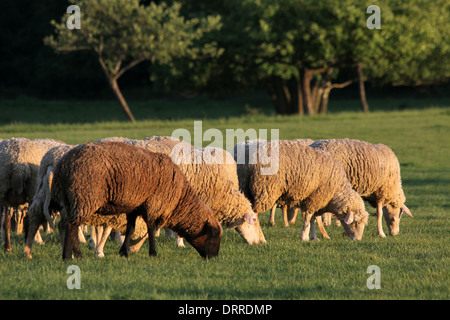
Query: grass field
414,265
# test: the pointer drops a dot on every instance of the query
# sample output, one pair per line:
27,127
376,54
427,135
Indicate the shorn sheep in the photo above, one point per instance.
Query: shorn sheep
114,178
374,172
306,178
19,163
213,175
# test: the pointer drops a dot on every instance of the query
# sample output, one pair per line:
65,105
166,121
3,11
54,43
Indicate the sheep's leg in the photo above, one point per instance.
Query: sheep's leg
38,239
98,234
380,220
76,243
272,215
312,231
101,243
321,227
138,245
31,230
70,238
179,242
285,218
6,229
93,238
326,217
131,223
151,239
81,237
169,233
292,215
306,225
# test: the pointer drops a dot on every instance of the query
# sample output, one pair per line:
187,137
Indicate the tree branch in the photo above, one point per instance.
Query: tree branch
128,67
341,85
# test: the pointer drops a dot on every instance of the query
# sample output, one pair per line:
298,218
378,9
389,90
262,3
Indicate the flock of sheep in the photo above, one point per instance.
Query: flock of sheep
135,188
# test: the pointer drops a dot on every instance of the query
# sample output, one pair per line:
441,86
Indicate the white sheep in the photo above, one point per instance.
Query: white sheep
306,178
374,172
289,214
19,163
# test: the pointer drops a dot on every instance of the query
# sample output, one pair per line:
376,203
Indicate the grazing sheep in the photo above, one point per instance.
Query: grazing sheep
215,183
19,163
306,178
289,214
374,172
101,225
113,178
38,213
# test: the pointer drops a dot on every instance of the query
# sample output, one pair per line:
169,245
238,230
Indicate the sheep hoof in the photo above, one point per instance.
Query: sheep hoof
382,235
304,237
27,254
123,253
91,244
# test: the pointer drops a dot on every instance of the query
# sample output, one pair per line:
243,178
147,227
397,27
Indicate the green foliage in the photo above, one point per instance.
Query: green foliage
412,47
123,30
279,40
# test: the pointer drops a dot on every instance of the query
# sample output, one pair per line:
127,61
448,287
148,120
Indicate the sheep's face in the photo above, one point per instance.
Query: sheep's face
354,223
207,241
392,215
250,229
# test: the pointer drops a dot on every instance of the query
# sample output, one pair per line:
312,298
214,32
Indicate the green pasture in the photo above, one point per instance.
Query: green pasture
413,265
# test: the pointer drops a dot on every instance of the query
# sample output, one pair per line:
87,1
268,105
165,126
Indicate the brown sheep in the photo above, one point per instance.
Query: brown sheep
114,178
216,183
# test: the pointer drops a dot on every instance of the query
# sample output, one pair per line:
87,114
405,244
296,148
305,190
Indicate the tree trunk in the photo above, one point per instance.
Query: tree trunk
307,76
123,103
300,107
324,101
362,90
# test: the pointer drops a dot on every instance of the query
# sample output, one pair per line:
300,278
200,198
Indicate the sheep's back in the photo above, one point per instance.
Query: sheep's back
113,178
367,166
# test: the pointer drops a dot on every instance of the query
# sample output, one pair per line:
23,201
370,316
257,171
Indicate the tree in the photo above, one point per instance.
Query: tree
124,33
415,49
299,51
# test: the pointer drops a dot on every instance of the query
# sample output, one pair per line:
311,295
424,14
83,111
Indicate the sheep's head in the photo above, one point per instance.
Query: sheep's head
354,223
207,241
392,215
349,208
250,229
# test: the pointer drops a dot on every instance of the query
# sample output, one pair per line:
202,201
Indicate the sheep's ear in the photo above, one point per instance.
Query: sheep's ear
404,208
250,218
349,217
211,229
